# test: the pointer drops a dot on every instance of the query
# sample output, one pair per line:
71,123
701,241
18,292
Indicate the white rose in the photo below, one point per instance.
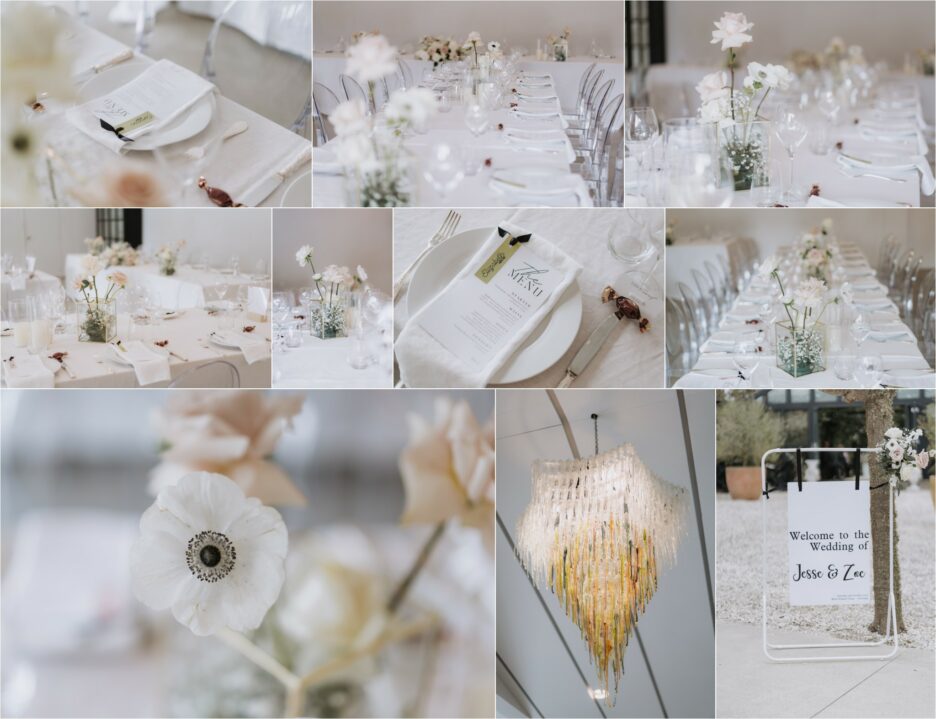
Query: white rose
810,293
349,117
713,86
371,59
731,30
894,433
711,112
908,472
896,454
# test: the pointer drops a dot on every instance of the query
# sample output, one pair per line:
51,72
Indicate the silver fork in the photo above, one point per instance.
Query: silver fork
446,230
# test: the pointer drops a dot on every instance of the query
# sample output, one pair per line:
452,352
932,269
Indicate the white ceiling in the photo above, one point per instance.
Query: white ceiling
676,630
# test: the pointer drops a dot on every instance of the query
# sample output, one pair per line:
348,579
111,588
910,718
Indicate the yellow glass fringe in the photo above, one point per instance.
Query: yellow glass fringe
604,579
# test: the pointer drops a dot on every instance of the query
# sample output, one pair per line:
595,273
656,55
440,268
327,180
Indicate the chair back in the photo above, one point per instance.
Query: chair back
352,90
324,102
217,373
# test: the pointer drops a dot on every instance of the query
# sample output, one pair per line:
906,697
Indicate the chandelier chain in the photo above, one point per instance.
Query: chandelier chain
595,418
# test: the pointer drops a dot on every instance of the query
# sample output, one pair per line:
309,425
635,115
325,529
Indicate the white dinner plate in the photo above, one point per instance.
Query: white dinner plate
299,193
546,344
187,125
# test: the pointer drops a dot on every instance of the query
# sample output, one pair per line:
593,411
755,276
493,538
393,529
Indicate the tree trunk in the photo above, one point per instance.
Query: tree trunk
879,417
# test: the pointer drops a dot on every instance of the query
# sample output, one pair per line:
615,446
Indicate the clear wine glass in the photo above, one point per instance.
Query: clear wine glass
444,169
477,120
860,330
744,358
641,129
791,130
872,366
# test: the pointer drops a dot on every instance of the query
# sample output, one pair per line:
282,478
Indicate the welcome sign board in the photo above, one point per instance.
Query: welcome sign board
829,538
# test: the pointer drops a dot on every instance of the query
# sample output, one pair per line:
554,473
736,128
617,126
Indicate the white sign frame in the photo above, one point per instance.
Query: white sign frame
890,632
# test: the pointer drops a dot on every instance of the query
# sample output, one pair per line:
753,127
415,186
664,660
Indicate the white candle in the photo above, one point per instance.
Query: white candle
21,333
40,335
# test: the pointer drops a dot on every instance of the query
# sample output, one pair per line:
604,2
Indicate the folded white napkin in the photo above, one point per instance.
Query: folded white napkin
927,181
325,162
540,115
252,348
28,371
911,140
816,201
873,304
889,335
165,89
924,380
425,362
149,366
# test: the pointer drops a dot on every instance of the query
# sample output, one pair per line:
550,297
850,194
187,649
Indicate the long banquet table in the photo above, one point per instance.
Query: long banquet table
187,335
474,190
327,66
895,355
243,160
323,364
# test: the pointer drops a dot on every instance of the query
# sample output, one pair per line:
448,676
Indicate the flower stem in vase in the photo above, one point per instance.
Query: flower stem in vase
255,654
399,594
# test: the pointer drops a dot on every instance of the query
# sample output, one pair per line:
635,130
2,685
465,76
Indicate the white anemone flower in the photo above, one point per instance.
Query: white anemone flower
210,554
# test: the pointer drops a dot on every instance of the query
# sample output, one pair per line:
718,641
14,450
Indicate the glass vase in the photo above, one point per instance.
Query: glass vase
801,351
747,147
97,320
561,50
391,183
327,319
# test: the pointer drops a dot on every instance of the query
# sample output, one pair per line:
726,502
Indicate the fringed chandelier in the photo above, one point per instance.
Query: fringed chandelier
597,532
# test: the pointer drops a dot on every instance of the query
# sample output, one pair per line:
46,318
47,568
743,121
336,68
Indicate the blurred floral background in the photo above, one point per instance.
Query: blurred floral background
343,468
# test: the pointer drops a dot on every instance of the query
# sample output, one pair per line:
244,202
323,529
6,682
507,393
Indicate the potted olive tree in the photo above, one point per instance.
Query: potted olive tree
746,429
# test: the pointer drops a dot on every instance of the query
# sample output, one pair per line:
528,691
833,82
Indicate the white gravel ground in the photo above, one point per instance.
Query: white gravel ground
738,572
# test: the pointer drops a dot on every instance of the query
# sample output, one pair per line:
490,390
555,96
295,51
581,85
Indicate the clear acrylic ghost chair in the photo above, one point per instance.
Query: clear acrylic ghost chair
719,282
682,341
927,334
707,298
696,313
899,275
885,255
288,13
579,124
572,113
217,373
597,165
915,303
587,139
905,299
353,91
324,102
406,74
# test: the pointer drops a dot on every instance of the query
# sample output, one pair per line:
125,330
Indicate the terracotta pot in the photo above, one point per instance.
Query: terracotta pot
743,482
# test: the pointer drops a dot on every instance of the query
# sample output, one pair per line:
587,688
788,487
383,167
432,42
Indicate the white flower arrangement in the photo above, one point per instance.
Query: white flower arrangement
439,50
95,245
371,58
167,256
120,254
471,44
899,457
327,318
801,341
97,318
304,256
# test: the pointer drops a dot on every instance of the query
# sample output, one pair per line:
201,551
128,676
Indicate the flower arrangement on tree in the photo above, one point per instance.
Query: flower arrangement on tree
168,257
735,111
327,314
97,314
560,44
801,339
438,50
899,457
377,167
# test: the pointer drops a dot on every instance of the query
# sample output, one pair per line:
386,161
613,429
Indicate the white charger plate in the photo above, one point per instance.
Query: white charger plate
546,344
187,125
299,193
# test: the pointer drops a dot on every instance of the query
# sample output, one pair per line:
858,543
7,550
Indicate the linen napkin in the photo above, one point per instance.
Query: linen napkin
252,348
28,371
426,362
148,365
927,181
164,89
923,380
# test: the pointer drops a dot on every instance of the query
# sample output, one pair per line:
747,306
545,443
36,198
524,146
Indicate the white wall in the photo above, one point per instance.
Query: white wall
773,228
514,23
221,234
53,233
886,29
340,237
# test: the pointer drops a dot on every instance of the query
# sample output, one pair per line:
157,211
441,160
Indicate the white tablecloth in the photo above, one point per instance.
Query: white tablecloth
25,286
327,66
187,335
473,191
628,359
243,160
323,364
895,355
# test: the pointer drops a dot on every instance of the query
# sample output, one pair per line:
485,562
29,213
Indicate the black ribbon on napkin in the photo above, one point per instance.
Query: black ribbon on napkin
116,130
514,239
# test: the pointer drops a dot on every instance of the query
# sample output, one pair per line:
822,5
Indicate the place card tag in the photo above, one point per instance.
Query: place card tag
128,126
499,256
479,314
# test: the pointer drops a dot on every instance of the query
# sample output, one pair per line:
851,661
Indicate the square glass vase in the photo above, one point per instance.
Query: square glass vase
327,319
801,351
97,321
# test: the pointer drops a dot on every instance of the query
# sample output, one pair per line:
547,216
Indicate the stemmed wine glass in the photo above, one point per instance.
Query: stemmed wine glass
642,128
477,122
744,358
791,131
828,105
860,330
872,366
444,169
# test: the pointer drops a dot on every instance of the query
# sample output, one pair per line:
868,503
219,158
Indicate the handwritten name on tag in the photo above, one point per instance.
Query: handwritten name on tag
497,259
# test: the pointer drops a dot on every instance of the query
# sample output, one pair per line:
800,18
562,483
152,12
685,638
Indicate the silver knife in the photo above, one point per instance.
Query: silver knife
265,187
90,72
588,351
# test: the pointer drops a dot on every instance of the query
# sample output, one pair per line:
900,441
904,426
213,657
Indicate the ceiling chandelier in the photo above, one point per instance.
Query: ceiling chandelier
597,532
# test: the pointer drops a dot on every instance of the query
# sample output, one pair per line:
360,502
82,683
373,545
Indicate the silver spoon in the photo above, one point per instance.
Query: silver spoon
197,153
